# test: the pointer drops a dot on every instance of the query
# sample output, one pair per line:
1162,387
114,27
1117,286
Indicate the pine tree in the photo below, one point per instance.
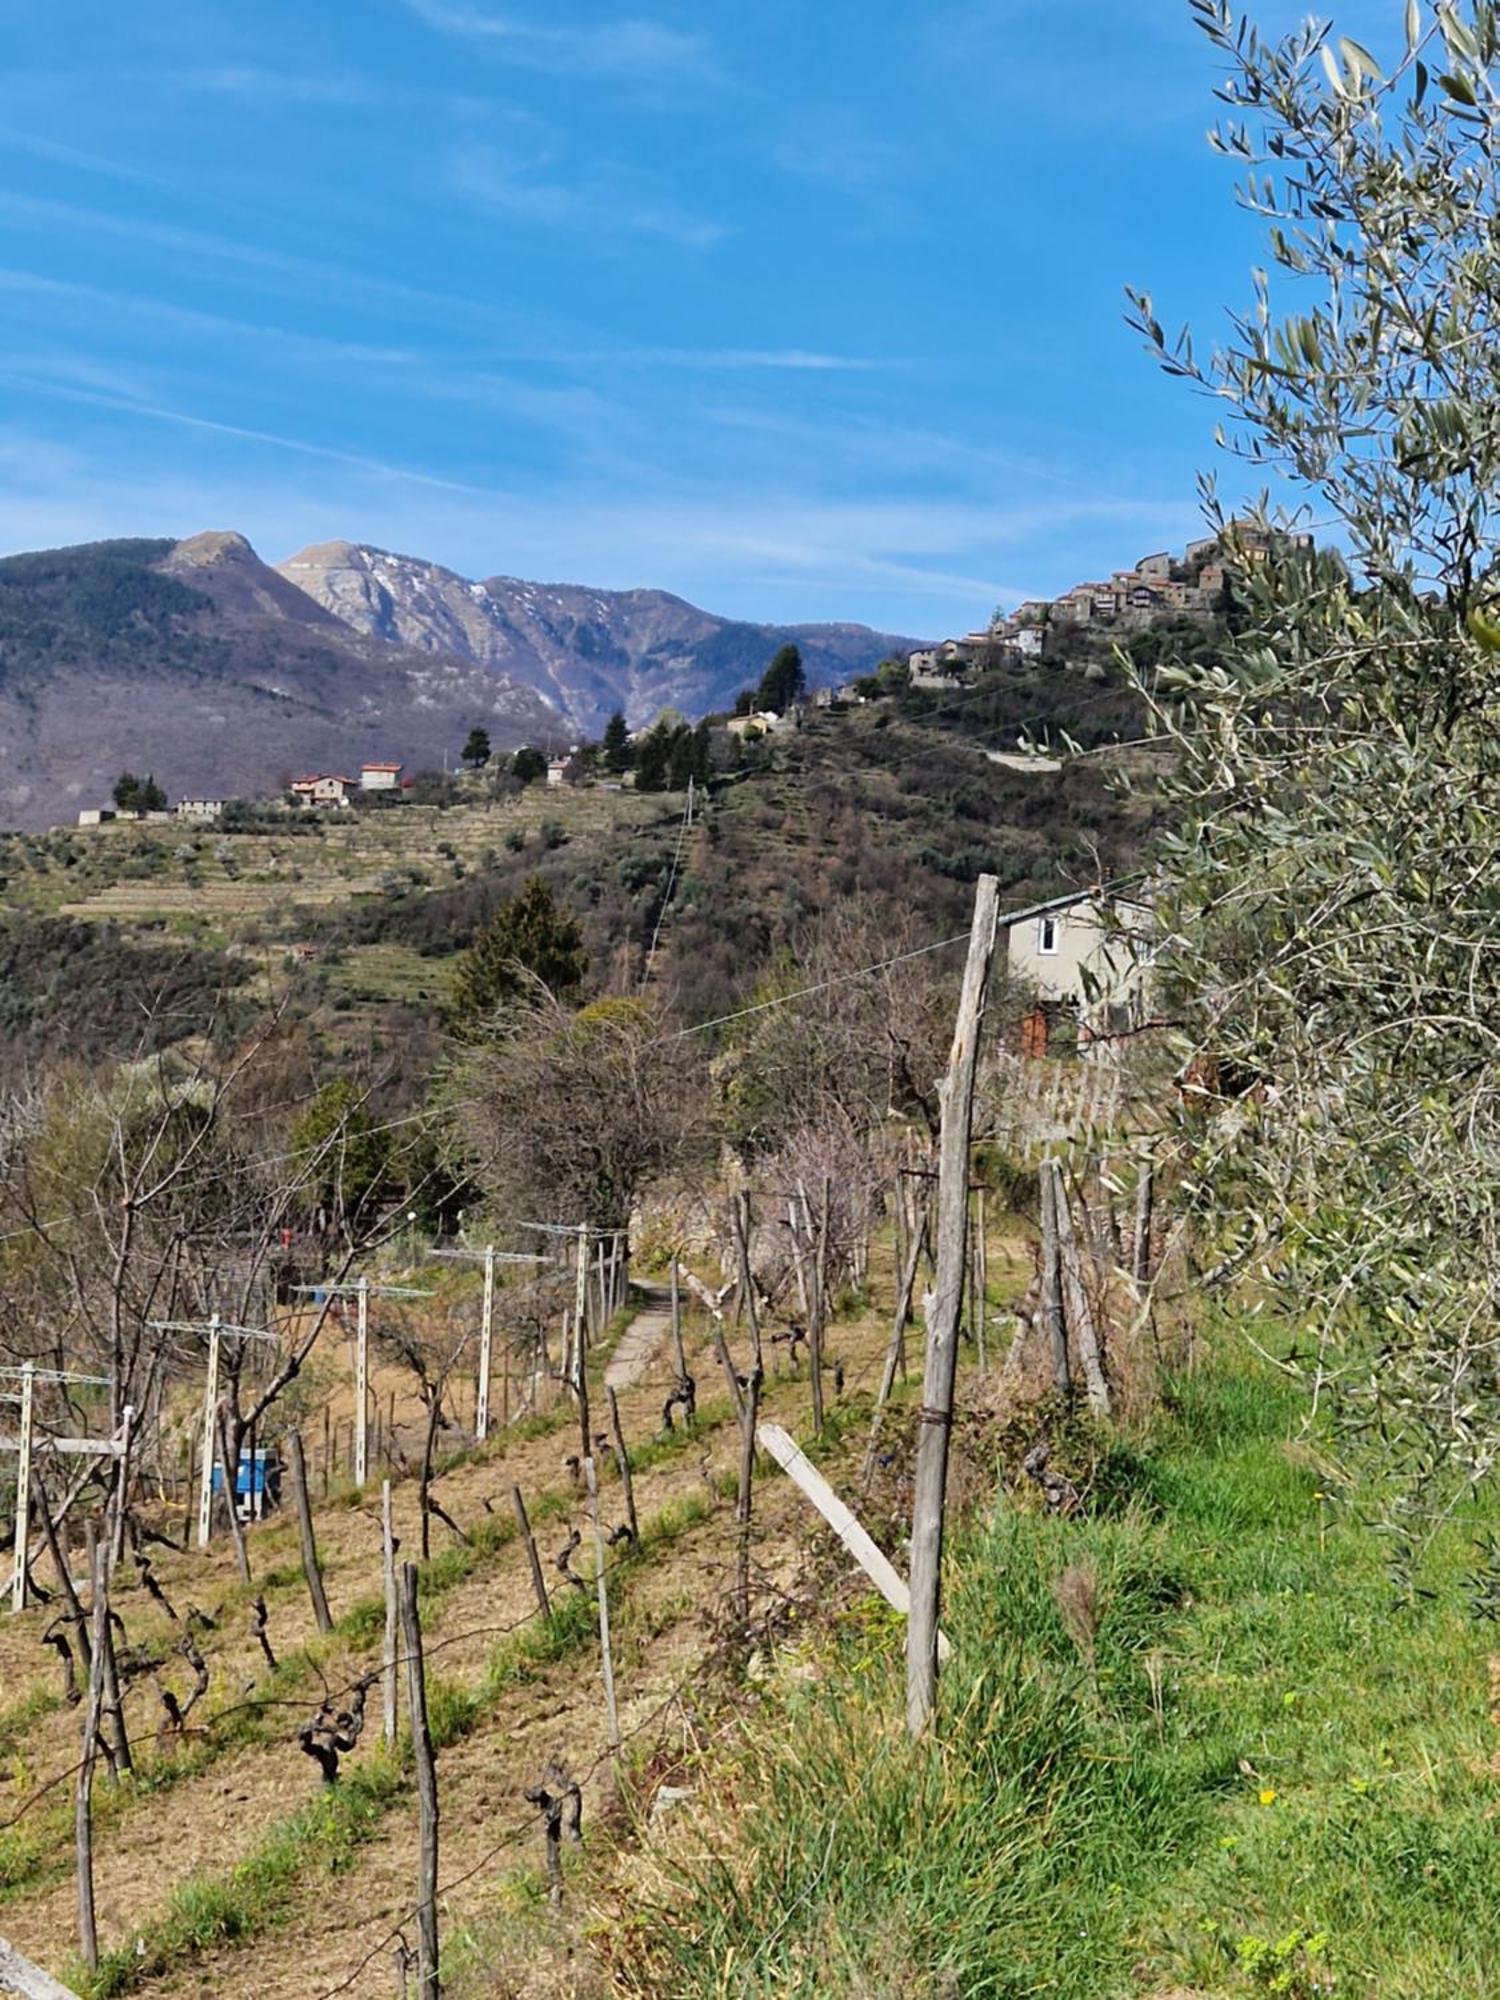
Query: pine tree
653,757
528,938
783,683
476,751
617,750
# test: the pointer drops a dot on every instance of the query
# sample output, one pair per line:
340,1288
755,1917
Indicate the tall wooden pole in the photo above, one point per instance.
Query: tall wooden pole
1140,1257
210,1453
427,1792
303,1499
362,1385
486,1341
943,1305
677,1346
83,1812
1053,1321
392,1616
23,1487
580,1343
606,1654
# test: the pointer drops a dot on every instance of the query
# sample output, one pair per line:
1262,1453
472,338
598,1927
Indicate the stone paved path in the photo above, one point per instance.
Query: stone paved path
647,1335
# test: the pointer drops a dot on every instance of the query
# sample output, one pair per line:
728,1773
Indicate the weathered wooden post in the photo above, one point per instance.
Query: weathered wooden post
917,1238
606,1654
622,1460
538,1581
1140,1254
83,1808
677,1346
19,1975
943,1303
303,1501
427,1792
1080,1313
1051,1311
388,1547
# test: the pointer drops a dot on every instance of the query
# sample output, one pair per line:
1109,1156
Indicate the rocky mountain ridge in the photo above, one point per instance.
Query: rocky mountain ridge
588,651
222,675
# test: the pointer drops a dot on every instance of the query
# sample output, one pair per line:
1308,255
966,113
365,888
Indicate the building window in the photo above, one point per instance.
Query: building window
1046,936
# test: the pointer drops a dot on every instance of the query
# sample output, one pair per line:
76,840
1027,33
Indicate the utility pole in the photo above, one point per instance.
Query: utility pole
218,1331
489,1257
363,1291
28,1375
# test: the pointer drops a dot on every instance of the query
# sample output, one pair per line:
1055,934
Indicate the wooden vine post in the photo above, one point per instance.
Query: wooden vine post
943,1306
392,1617
1080,1313
1053,1322
606,1655
310,1565
83,1811
427,1793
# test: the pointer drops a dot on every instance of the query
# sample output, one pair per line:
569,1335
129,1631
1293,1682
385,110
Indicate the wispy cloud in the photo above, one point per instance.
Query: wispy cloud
186,420
834,148
633,50
528,191
276,269
255,85
793,360
58,154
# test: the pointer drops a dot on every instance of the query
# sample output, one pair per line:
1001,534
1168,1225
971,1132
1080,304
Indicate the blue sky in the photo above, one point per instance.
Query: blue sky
806,309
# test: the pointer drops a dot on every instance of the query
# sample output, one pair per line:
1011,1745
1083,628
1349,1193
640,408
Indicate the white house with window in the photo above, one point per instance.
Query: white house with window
1088,954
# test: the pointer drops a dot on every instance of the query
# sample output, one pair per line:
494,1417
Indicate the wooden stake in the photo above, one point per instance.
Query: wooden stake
210,1418
232,1496
362,1385
606,1655
538,1581
896,1348
23,1488
819,1311
310,1567
622,1460
981,1277
83,1805
936,1416
427,1792
740,1210
19,1975
486,1339
1080,1313
795,1463
1054,1324
745,1502
1140,1254
388,1685
677,1346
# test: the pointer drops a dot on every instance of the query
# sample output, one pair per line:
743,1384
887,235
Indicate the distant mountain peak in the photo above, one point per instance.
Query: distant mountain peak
586,651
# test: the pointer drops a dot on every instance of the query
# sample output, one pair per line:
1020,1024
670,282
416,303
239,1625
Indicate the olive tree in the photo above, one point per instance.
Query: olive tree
1331,898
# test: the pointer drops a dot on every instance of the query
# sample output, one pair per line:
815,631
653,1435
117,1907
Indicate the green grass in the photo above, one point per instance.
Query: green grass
1270,1779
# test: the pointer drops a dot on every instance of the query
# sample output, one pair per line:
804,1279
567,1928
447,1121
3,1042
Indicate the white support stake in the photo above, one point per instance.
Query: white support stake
19,1975
580,1309
23,1489
486,1332
210,1440
800,1469
362,1386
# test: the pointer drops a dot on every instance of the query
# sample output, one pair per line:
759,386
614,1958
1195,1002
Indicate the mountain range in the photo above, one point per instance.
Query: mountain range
221,675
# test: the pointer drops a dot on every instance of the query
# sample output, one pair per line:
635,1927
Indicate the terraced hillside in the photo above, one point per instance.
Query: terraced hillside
223,1866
